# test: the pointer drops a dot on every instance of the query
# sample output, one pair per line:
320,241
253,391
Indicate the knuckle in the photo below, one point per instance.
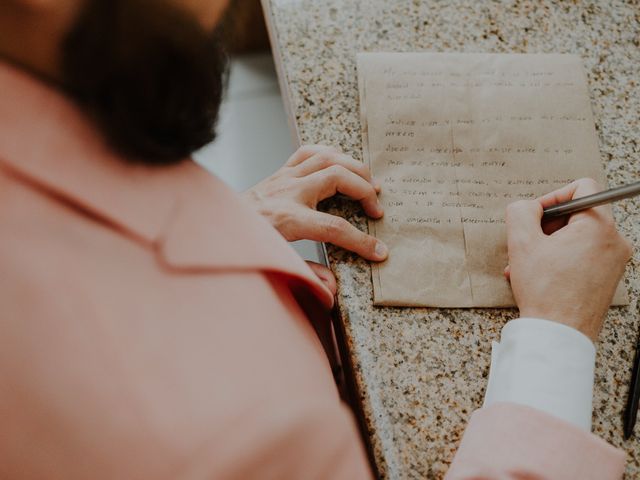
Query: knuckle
370,192
330,153
323,160
370,243
301,154
333,149
326,158
335,171
306,148
361,169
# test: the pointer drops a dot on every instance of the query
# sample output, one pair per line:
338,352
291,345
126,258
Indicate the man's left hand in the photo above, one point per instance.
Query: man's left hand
289,197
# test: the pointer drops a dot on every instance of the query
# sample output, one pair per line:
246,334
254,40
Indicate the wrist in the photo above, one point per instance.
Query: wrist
568,326
568,317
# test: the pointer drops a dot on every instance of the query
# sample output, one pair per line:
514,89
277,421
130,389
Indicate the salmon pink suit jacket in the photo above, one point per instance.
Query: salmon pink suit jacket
155,327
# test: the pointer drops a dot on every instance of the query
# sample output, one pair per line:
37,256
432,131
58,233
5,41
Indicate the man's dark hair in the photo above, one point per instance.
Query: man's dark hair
149,75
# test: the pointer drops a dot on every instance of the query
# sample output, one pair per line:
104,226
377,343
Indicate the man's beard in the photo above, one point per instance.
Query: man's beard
149,76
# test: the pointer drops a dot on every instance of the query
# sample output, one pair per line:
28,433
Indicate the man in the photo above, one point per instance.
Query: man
154,326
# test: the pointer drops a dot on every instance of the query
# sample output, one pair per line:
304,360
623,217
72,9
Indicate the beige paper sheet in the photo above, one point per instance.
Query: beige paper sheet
454,138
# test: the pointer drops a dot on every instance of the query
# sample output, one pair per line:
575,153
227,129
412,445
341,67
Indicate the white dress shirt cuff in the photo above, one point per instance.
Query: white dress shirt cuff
545,365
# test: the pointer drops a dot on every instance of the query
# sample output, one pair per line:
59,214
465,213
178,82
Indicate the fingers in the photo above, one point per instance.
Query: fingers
305,152
325,275
577,189
603,213
561,195
338,179
327,158
523,222
313,158
323,227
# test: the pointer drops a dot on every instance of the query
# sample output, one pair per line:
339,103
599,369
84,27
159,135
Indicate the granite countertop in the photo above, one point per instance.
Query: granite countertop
420,373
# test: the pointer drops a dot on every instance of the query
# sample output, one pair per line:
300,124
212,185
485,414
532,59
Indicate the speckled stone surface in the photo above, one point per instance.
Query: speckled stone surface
422,372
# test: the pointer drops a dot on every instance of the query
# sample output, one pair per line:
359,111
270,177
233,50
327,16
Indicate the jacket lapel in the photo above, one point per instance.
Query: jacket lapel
190,218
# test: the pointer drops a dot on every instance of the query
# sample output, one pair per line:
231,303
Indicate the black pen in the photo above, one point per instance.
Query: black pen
634,395
600,198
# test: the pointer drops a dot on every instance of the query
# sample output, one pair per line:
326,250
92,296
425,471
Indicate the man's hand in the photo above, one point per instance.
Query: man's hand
565,270
288,199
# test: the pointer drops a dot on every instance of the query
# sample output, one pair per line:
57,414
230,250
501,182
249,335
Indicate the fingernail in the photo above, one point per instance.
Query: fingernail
381,250
376,184
379,209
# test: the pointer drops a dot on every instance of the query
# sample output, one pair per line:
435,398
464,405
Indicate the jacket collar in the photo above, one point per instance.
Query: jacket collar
192,220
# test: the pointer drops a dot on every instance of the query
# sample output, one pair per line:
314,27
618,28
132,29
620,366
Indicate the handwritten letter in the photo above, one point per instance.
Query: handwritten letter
454,138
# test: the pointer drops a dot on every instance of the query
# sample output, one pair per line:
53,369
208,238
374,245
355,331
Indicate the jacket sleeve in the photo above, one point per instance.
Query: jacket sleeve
507,441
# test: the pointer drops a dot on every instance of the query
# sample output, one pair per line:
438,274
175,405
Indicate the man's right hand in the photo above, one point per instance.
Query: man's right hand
565,269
